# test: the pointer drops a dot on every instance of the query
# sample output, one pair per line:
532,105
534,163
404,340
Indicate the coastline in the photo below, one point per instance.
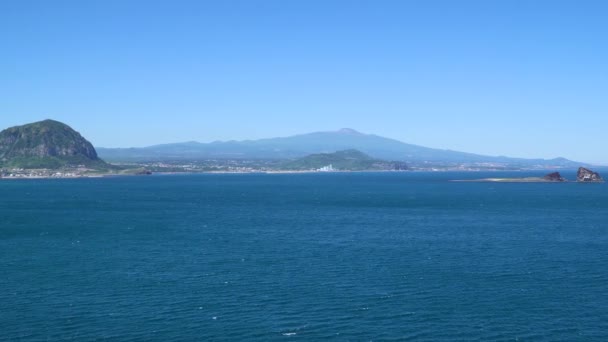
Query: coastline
46,174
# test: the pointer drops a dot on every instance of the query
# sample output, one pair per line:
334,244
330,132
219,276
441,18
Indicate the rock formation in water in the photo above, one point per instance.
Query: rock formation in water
554,177
586,175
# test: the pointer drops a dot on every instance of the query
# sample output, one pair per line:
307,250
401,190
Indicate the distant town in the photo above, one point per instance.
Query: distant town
18,173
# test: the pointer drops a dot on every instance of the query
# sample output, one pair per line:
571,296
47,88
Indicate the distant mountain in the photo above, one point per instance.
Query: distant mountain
46,144
320,142
347,160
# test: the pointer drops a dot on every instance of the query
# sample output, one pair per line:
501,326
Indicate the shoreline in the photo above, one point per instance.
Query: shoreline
69,175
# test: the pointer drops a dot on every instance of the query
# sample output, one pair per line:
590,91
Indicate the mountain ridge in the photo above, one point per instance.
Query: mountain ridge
301,145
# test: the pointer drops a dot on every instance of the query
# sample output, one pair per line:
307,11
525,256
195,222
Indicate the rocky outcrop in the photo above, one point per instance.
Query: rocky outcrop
554,177
586,175
45,144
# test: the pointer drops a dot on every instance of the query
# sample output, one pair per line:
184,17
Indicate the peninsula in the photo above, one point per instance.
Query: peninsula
583,175
553,177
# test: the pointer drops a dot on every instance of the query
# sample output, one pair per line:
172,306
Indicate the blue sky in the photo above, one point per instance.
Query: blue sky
517,78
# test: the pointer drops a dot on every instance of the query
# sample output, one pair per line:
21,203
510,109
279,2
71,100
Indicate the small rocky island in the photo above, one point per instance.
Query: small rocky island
586,175
554,177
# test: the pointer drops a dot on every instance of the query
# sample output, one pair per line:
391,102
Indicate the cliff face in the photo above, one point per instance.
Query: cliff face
586,175
45,142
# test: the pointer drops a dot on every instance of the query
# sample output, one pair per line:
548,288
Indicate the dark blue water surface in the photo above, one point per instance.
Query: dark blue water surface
348,256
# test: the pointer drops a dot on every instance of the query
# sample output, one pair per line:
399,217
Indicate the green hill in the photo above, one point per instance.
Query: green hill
347,160
46,144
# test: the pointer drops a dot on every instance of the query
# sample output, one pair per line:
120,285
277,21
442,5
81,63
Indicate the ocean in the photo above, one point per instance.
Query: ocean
406,256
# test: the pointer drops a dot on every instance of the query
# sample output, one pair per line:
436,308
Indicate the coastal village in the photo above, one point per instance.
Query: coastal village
42,173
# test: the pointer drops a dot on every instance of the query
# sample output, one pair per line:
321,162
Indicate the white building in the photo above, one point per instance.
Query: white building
327,168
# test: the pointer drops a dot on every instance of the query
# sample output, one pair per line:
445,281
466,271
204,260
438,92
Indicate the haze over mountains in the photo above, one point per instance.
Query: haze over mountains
51,144
313,143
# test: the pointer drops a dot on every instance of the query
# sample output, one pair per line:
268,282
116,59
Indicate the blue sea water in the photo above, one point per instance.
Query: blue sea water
303,257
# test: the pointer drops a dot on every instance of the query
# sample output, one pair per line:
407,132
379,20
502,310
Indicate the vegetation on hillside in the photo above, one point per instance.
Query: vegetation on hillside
347,160
47,144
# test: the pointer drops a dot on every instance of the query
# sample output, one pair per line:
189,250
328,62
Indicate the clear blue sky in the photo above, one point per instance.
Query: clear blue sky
517,78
